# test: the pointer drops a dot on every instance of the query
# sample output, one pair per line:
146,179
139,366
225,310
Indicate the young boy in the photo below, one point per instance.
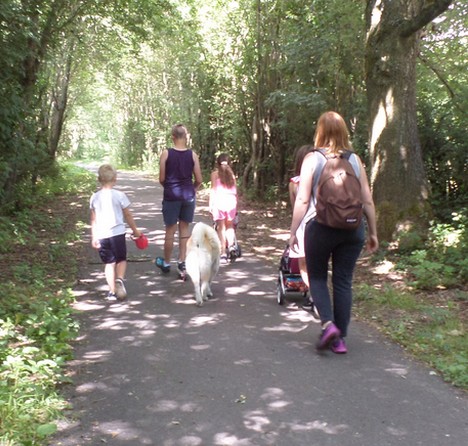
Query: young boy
177,167
109,212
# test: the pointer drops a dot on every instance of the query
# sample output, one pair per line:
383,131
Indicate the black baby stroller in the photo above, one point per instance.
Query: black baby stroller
234,251
289,277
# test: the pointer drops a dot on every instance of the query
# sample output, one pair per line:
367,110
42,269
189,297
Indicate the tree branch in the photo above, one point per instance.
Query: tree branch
429,11
443,80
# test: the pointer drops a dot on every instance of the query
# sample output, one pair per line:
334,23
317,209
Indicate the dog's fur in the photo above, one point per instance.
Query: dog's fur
202,261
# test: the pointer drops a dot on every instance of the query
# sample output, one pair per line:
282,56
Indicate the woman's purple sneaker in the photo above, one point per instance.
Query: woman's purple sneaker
339,346
328,336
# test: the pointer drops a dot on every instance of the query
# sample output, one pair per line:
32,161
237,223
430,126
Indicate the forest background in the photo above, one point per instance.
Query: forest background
93,79
106,80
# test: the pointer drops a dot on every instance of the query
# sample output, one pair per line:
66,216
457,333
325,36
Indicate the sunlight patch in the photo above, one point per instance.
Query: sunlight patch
256,421
286,327
101,355
320,426
278,405
200,347
257,293
199,321
164,406
236,290
226,439
284,236
398,371
91,387
86,306
121,430
243,362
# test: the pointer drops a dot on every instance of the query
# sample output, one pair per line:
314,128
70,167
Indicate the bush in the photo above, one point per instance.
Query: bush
443,260
36,315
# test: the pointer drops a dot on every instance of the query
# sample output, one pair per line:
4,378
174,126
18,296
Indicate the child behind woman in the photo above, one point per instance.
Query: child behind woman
109,212
299,252
223,203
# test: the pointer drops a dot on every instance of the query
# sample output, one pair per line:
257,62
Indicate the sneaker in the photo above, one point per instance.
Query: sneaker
111,297
224,259
120,290
307,305
339,346
159,262
328,336
181,269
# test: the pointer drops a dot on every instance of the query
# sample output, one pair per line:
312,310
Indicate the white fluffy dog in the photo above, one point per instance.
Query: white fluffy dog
202,261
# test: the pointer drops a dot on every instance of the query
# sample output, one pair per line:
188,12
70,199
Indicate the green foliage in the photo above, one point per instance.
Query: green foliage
37,321
443,108
248,78
442,260
36,326
431,329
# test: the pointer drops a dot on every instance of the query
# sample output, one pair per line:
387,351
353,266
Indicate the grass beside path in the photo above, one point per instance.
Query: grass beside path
40,249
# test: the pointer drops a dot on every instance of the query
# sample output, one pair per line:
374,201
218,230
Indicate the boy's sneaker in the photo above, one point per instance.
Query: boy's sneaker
339,346
111,297
224,259
328,336
120,290
181,270
159,262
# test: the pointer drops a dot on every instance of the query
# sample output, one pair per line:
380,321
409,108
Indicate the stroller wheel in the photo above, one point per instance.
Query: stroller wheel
232,256
279,294
234,252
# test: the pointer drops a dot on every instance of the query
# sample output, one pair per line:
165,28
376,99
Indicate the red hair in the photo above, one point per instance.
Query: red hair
332,132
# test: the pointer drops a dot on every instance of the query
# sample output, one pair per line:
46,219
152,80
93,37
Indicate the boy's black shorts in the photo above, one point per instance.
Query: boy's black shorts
113,249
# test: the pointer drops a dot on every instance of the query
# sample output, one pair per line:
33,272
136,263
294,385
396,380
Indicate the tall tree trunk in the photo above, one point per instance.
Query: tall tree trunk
59,103
398,178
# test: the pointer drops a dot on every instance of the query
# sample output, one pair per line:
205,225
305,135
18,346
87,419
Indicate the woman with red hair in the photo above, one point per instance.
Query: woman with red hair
322,243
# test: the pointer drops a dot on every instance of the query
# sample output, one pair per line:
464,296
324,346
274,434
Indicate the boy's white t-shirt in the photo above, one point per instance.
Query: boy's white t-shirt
108,204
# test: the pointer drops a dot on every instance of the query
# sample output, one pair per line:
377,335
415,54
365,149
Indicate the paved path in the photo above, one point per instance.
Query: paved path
241,370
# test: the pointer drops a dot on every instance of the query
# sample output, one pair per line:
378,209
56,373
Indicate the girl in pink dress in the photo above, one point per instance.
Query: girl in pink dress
223,203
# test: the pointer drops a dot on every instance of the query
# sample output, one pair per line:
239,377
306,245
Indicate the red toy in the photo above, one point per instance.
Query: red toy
141,242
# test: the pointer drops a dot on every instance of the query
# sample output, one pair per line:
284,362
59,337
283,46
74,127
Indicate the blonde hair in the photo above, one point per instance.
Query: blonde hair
332,132
106,174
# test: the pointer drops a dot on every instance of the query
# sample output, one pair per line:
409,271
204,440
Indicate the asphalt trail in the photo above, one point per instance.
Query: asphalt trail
158,370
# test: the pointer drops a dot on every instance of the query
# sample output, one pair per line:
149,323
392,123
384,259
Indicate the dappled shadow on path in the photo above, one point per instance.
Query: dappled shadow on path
170,361
241,370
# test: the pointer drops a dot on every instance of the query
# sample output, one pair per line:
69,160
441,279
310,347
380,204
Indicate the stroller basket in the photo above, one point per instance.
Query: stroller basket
289,277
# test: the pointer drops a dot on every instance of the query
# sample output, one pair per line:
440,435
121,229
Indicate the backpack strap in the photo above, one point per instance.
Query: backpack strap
318,171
